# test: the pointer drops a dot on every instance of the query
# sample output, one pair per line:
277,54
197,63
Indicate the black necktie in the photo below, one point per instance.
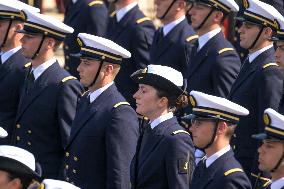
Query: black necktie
30,82
145,137
244,67
160,34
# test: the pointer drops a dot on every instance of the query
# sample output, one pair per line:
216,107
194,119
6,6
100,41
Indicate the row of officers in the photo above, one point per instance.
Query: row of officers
93,139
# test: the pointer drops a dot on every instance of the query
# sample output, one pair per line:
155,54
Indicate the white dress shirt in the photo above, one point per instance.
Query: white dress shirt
6,55
277,184
168,27
41,68
258,52
96,93
161,119
214,157
203,39
122,12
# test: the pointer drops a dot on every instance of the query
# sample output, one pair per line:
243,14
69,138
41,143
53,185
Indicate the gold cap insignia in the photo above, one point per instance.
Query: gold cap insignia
79,42
246,4
266,119
276,24
192,101
144,70
23,15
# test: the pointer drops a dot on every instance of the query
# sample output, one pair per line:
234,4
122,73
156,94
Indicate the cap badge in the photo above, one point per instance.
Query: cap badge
266,119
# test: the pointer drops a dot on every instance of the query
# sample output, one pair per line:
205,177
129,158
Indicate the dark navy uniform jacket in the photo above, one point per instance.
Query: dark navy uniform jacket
12,76
260,87
44,118
102,142
85,16
166,161
170,49
223,173
133,32
214,68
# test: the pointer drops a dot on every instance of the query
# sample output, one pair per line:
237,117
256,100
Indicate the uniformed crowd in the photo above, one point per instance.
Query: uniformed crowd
137,107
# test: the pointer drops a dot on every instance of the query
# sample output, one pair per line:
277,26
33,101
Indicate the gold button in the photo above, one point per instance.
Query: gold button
18,138
242,55
29,143
67,179
234,147
76,159
18,126
29,131
74,171
66,167
66,47
67,57
67,154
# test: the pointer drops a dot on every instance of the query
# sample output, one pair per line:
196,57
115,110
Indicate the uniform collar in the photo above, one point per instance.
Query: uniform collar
96,93
277,183
6,55
168,27
258,52
203,39
41,68
218,154
122,12
161,119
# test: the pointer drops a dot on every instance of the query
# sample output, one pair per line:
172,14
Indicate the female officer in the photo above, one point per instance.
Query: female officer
164,156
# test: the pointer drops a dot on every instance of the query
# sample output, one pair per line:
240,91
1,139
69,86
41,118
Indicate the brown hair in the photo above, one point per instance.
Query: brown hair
175,102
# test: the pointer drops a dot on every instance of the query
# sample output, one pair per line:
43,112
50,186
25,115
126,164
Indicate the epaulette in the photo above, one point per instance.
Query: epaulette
233,171
225,50
140,20
269,64
95,3
121,103
68,78
112,14
27,65
192,37
261,178
85,93
180,131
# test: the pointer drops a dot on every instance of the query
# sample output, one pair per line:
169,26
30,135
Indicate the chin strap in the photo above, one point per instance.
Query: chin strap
6,34
97,74
169,8
213,136
39,47
257,37
205,19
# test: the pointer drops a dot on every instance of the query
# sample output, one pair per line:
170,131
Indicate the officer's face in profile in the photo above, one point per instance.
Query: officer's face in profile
270,153
87,71
279,54
198,13
147,101
248,33
162,6
6,182
202,131
4,24
30,44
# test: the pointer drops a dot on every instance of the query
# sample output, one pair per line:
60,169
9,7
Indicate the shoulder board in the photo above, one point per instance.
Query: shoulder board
84,93
261,178
142,20
180,131
112,14
27,65
269,64
121,103
267,183
233,171
192,37
225,50
68,78
95,3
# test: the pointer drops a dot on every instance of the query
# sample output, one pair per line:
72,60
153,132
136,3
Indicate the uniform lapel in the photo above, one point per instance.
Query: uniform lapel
83,116
7,66
156,136
256,63
199,57
39,86
123,23
168,40
72,10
